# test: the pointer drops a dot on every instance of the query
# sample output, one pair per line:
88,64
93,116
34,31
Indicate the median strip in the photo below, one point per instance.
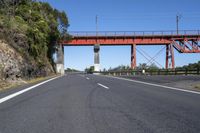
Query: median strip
103,86
23,91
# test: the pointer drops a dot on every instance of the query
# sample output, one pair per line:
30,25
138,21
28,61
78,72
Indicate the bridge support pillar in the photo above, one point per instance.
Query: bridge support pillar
60,60
170,62
133,56
96,58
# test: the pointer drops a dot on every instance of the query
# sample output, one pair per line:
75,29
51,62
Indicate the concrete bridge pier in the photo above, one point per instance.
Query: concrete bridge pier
96,58
170,61
60,60
133,56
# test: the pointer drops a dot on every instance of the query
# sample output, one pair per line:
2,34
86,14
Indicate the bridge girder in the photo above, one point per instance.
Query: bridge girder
184,42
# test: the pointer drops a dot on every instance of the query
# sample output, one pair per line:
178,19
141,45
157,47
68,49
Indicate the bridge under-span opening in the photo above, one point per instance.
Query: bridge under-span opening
187,41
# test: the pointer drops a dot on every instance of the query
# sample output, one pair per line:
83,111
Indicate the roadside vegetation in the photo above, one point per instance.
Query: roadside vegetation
141,66
71,70
29,33
191,66
197,86
153,67
89,70
7,85
33,29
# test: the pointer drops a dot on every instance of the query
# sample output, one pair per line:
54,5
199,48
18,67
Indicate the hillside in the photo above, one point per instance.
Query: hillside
29,31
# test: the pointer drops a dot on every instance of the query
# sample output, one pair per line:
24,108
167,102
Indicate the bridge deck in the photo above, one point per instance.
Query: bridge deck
135,33
129,38
187,41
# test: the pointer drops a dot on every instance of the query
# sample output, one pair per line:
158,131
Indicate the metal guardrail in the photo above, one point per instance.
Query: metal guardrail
134,33
154,72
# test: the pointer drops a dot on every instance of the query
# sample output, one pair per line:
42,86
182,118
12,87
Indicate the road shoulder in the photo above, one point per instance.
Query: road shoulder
18,87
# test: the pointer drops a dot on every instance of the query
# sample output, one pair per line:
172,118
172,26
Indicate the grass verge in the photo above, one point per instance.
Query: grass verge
6,85
197,86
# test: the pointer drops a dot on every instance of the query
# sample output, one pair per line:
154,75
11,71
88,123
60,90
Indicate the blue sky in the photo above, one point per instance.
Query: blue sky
127,15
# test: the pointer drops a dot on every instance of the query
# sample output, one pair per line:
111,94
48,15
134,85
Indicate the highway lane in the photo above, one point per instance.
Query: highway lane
97,104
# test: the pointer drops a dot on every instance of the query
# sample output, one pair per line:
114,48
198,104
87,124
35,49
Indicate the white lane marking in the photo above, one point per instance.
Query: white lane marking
24,90
157,85
103,86
87,78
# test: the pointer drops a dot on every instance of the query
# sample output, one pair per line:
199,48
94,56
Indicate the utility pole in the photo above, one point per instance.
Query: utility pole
177,20
96,25
178,17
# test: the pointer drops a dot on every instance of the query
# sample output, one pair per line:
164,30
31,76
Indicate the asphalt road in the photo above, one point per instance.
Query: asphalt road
187,82
97,104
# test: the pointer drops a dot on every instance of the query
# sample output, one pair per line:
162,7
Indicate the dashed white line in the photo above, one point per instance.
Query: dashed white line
23,91
103,86
87,78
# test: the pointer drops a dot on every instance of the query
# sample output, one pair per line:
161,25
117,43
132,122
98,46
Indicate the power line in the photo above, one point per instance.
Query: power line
150,16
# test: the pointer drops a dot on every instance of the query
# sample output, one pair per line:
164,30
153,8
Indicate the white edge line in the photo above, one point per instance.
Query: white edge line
157,85
24,90
103,86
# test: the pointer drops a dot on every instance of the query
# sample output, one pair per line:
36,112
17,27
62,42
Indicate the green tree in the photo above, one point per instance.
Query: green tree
90,69
33,28
153,67
142,66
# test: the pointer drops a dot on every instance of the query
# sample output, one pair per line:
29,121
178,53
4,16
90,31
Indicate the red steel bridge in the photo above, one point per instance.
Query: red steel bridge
187,41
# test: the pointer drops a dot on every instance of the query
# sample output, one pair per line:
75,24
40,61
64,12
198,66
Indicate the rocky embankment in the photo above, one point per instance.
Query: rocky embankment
10,62
10,66
14,68
29,31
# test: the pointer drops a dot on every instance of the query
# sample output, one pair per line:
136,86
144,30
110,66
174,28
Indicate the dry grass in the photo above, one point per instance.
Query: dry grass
35,80
197,86
5,85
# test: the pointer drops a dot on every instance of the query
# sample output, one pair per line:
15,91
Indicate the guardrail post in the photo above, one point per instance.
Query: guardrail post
159,72
186,71
132,72
150,72
198,71
167,72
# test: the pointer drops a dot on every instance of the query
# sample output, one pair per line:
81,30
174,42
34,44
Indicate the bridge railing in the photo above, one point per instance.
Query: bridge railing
134,33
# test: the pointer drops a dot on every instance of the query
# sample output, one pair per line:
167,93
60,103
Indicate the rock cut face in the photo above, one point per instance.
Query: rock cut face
10,62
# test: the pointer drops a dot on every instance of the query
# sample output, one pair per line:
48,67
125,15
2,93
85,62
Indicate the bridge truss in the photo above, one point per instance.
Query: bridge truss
187,41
